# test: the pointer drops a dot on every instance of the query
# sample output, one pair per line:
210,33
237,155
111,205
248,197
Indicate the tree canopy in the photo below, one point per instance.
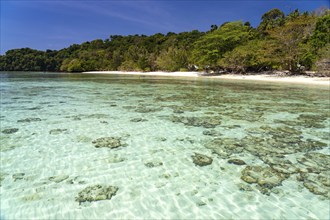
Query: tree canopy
295,42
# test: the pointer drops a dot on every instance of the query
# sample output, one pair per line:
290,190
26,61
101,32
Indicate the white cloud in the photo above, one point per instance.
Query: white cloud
144,13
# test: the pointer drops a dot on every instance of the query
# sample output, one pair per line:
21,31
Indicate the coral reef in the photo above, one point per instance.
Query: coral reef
96,193
109,142
201,159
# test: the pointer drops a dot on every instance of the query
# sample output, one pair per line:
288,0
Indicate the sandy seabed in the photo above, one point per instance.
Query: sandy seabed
322,81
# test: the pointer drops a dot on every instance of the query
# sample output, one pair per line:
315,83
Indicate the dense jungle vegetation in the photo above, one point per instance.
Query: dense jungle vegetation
295,42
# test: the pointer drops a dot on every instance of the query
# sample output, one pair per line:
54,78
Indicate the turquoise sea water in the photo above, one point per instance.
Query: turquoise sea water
173,148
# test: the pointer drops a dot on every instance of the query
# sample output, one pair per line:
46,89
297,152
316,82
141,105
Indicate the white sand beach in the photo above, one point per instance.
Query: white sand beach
180,74
322,81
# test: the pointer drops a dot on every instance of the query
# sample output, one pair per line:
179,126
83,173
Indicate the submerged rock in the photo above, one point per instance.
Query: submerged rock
178,111
232,126
244,187
314,171
206,122
31,197
317,183
153,164
115,159
97,116
9,130
76,118
280,164
161,139
7,146
96,193
76,180
201,159
312,121
138,120
237,162
265,177
320,134
279,131
225,147
277,145
29,120
59,178
250,116
211,133
34,108
57,131
109,142
284,134
144,109
186,139
2,177
314,162
18,176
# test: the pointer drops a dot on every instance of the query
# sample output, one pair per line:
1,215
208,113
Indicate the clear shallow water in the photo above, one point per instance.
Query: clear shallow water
50,121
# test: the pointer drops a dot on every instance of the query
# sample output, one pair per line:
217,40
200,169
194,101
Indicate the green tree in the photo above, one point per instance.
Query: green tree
279,43
293,15
75,66
211,47
252,56
320,42
290,40
172,59
271,19
321,34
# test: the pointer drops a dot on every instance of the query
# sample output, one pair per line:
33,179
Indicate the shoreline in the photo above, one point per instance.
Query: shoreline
321,81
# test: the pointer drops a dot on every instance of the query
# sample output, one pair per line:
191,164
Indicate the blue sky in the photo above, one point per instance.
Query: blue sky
55,24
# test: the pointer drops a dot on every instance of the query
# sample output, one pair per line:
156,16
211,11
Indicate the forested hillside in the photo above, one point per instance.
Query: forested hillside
296,42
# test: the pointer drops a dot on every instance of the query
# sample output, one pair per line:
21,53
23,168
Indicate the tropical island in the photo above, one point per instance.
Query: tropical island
296,43
231,122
